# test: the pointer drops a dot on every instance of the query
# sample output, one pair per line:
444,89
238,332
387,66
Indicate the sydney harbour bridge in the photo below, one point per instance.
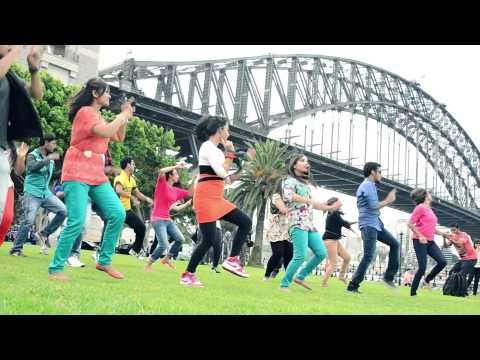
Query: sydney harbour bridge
345,113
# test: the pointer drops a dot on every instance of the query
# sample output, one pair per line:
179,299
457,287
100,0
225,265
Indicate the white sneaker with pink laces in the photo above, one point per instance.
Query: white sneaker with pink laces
190,279
232,264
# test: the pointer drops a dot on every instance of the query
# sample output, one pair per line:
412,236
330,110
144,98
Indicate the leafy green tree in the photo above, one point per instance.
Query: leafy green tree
145,142
256,186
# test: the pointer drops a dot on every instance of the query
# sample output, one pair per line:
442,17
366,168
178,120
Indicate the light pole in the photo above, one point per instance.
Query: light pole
400,259
401,231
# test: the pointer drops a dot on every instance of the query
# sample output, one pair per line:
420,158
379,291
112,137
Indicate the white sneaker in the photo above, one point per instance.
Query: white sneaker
96,255
232,264
74,262
140,256
44,249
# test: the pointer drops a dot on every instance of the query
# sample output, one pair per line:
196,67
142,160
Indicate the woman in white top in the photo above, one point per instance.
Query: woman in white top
277,233
208,199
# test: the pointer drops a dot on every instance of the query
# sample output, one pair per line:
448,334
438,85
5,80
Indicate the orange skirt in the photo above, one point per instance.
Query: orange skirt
209,203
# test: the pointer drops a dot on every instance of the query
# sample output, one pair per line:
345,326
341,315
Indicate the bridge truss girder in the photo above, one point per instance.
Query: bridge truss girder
301,85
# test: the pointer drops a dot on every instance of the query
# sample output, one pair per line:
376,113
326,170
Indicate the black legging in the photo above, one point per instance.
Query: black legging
280,249
474,275
138,227
217,247
422,250
208,230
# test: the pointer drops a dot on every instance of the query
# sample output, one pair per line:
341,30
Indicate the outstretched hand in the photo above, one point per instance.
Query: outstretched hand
33,59
181,165
127,110
22,150
392,196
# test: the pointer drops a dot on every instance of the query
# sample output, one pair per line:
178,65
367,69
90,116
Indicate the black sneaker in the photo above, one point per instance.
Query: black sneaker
215,269
355,291
390,284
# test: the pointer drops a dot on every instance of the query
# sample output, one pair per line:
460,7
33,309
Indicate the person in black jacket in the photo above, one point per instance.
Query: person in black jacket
331,238
18,121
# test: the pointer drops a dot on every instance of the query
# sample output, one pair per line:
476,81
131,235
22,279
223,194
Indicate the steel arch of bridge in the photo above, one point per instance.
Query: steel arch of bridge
307,84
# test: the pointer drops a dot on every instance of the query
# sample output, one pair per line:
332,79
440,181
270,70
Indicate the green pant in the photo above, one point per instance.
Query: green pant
302,240
76,198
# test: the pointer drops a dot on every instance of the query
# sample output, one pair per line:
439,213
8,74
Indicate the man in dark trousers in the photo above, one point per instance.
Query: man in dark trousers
372,228
37,194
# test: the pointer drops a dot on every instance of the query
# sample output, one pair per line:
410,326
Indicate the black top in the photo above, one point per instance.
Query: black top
333,226
22,119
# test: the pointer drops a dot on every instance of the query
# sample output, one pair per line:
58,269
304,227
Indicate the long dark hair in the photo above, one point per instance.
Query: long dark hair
208,126
291,171
169,174
332,201
84,97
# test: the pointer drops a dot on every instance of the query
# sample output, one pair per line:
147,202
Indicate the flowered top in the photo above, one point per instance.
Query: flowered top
277,226
299,214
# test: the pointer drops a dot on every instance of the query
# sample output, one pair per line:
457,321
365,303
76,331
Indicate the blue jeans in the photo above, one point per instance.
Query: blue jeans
31,204
163,228
77,245
370,236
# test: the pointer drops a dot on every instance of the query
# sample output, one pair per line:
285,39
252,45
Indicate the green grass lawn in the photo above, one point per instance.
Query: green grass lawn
26,289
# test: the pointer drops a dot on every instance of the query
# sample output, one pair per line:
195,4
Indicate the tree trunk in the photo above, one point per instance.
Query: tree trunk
256,259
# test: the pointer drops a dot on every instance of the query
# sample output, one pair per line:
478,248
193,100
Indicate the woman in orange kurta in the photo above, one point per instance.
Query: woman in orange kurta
83,175
208,200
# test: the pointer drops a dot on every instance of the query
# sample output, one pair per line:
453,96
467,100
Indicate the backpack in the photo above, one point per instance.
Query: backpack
456,285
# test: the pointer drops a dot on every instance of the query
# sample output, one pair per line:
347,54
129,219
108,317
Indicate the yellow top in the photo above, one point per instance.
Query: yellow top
128,183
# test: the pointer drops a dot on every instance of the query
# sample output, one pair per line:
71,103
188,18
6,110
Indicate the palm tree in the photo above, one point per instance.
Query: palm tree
256,185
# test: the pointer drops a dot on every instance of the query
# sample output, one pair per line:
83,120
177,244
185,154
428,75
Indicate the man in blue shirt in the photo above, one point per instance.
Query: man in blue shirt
40,167
372,228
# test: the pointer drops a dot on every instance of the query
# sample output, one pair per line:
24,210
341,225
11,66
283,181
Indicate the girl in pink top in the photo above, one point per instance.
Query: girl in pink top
423,223
165,196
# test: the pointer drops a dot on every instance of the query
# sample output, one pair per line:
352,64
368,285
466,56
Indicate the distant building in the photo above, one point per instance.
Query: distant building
71,64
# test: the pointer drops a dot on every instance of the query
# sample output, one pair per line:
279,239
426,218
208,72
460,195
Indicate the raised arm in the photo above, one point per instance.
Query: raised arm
34,165
178,165
390,199
111,129
35,88
120,135
19,166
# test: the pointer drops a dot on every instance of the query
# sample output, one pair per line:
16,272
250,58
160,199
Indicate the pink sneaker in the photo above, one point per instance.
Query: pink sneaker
232,264
190,279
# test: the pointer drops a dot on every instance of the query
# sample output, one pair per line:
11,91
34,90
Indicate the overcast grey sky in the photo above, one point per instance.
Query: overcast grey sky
448,73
